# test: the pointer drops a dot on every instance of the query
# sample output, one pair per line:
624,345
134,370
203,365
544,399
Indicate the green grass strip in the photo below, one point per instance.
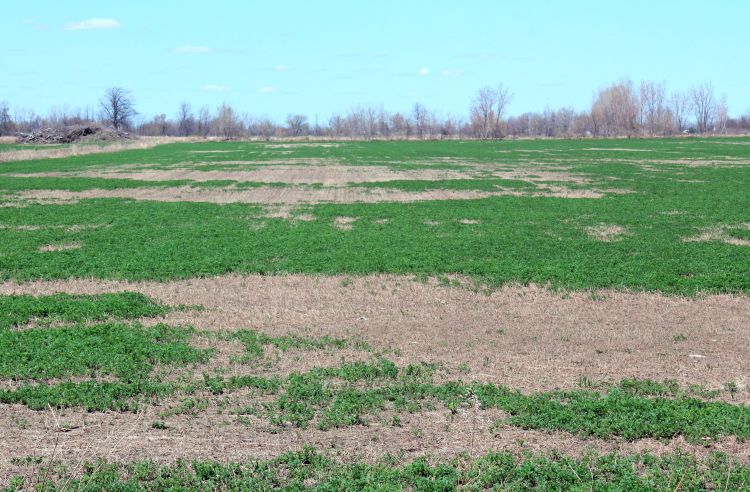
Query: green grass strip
16,310
127,352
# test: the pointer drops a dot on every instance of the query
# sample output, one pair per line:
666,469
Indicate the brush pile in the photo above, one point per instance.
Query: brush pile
71,134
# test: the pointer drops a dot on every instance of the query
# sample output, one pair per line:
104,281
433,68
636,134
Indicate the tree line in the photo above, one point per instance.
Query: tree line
620,109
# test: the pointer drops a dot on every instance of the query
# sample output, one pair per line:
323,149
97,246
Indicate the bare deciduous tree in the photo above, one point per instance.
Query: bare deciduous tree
721,115
117,107
226,123
615,110
297,124
488,109
6,121
679,107
654,113
185,120
204,121
419,116
703,104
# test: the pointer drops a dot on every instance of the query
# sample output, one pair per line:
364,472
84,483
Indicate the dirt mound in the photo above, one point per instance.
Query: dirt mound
70,134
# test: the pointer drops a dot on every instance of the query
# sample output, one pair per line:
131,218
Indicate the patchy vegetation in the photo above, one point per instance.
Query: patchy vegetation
309,469
372,373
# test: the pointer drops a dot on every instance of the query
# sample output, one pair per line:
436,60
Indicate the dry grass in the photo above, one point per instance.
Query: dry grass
314,171
719,233
72,228
79,149
607,233
291,195
74,437
344,223
327,174
58,247
556,338
527,337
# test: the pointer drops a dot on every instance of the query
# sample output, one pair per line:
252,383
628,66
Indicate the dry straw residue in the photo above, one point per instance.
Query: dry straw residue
721,232
78,149
344,223
556,337
59,247
292,195
607,233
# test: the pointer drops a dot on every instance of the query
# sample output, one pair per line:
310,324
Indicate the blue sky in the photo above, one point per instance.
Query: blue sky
319,57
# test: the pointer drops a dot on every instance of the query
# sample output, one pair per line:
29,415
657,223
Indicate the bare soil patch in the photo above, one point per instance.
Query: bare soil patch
75,437
526,337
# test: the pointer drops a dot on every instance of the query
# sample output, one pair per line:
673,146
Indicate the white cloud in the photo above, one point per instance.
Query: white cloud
215,88
424,72
93,23
281,68
188,48
267,90
450,73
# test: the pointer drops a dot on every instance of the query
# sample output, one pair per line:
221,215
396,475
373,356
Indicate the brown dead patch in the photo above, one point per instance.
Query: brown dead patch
22,227
618,149
526,337
326,173
212,151
58,247
74,437
283,212
727,162
15,201
292,195
301,144
534,175
607,233
721,233
71,228
344,223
